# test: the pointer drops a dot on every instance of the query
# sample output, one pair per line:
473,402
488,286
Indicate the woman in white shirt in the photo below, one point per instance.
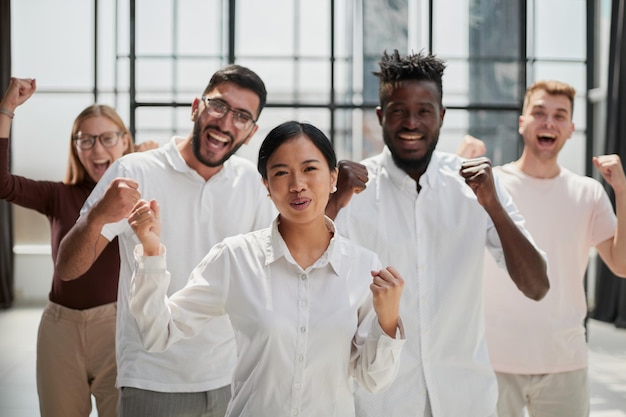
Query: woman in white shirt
311,311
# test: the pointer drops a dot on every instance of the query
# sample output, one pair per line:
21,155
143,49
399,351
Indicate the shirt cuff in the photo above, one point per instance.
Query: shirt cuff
150,263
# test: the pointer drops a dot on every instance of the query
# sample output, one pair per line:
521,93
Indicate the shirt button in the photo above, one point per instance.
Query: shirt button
303,277
302,303
302,329
297,385
294,412
300,358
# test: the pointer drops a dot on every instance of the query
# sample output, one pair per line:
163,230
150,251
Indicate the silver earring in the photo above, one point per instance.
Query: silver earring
334,189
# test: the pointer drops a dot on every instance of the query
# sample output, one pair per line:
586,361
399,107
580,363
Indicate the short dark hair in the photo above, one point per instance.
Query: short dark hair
243,77
289,130
415,67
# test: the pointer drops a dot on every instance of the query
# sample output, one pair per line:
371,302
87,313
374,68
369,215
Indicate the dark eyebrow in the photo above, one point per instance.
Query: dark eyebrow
309,161
277,166
281,165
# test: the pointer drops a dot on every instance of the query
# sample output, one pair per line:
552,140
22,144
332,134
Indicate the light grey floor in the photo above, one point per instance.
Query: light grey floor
18,394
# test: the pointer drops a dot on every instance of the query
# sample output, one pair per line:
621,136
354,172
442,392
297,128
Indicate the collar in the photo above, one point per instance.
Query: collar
276,248
402,180
175,159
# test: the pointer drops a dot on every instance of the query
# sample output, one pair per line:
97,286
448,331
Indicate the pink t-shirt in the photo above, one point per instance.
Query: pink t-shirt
566,215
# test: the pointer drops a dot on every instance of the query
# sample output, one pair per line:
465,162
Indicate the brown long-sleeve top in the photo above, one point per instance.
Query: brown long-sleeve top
61,203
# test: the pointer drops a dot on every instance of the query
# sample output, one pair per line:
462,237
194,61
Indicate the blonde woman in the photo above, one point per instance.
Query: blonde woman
76,339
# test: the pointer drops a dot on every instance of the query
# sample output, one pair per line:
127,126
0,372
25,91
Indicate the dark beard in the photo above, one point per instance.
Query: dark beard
196,140
414,167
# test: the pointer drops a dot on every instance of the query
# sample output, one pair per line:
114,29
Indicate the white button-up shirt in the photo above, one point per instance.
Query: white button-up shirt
196,215
436,240
303,336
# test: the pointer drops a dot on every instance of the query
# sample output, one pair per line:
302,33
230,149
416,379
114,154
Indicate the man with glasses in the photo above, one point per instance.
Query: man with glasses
206,194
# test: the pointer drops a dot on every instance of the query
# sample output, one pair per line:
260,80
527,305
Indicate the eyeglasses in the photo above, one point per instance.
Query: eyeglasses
107,139
218,109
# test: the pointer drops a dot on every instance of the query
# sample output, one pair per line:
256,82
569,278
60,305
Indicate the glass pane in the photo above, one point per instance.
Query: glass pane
560,29
200,25
347,89
456,83
345,25
313,83
174,121
278,76
57,51
313,28
193,75
154,118
258,37
572,155
154,76
384,26
154,27
122,27
455,14
107,35
494,82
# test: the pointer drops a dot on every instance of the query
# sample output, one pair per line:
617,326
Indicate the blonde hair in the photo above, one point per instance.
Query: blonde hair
76,172
552,87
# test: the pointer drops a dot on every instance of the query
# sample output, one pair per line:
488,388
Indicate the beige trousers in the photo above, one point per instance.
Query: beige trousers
75,360
546,395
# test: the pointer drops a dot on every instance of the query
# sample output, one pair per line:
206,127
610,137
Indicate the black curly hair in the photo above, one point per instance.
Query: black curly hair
414,67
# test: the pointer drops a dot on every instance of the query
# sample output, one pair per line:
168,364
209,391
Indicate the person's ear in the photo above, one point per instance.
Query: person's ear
379,114
195,109
126,143
334,174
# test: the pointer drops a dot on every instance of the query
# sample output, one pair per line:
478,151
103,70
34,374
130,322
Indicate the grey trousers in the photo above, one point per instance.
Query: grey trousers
136,402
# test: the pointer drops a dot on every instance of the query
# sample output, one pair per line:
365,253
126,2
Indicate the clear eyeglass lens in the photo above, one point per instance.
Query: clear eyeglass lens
218,109
107,139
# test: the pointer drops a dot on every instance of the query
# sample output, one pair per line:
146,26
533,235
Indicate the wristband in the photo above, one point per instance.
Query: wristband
7,113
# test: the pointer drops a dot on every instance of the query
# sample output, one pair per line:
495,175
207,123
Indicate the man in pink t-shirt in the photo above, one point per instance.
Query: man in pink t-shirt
538,348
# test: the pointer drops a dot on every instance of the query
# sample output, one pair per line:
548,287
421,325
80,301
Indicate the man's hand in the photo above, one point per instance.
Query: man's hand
386,287
471,147
146,146
610,166
118,200
478,175
352,179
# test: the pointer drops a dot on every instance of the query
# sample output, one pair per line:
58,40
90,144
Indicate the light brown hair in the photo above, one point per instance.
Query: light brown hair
76,172
552,87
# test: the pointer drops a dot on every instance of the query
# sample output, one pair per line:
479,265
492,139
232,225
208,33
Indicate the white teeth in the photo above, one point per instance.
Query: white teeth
410,137
101,161
223,139
547,136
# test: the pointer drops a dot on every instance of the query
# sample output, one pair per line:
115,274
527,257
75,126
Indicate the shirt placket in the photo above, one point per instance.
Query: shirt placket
302,331
425,291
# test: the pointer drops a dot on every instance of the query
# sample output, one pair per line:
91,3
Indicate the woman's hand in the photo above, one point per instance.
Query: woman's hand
145,220
18,91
